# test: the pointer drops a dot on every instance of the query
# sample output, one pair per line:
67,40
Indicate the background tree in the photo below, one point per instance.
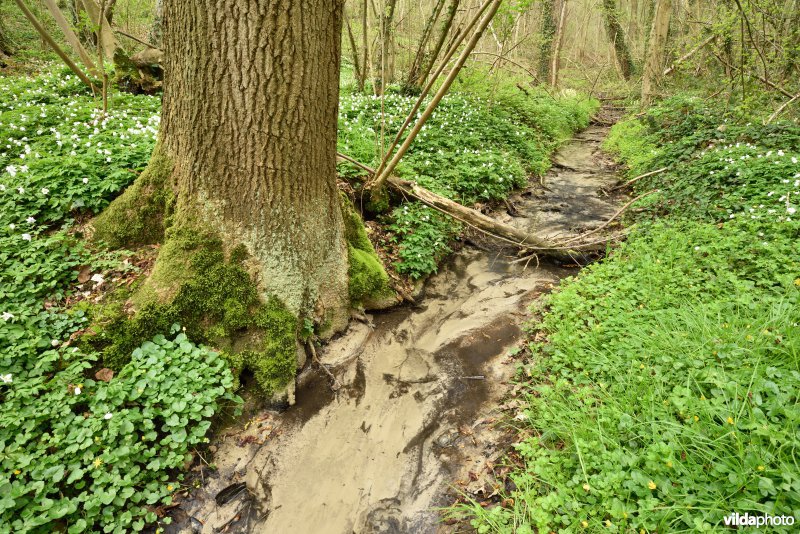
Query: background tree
616,35
654,63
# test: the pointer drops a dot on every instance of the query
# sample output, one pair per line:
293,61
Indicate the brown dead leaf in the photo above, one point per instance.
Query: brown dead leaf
105,374
84,274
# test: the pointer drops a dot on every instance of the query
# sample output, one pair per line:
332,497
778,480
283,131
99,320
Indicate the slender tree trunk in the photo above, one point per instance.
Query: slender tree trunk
383,63
654,64
248,145
557,44
419,57
364,46
616,35
444,31
157,29
354,49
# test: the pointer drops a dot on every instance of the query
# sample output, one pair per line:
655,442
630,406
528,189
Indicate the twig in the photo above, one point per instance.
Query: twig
645,175
129,36
780,109
336,384
617,214
356,163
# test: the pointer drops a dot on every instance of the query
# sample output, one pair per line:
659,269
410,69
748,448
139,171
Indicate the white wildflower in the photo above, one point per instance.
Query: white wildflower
108,416
6,316
7,379
26,237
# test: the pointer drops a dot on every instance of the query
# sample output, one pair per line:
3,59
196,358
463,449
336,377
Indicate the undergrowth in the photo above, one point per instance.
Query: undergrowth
665,396
485,139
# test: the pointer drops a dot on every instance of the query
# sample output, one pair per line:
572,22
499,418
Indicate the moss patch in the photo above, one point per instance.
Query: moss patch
216,302
368,278
137,217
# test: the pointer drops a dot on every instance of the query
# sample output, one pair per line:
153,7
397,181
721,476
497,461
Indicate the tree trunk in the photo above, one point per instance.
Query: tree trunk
364,47
247,146
383,63
622,53
547,33
412,77
447,23
654,64
557,44
157,29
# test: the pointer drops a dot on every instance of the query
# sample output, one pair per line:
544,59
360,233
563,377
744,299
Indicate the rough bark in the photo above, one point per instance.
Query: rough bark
616,35
249,129
654,64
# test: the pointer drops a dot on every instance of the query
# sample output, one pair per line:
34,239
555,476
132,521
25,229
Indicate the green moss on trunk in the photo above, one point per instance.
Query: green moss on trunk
138,216
212,296
369,284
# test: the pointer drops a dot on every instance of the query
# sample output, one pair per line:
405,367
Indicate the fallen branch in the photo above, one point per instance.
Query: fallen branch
632,180
609,221
479,221
687,55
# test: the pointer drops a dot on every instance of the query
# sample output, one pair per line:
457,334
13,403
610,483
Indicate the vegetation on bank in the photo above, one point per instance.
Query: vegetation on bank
485,139
665,395
104,451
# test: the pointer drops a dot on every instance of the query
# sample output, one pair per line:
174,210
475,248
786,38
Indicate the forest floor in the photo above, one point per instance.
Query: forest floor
422,388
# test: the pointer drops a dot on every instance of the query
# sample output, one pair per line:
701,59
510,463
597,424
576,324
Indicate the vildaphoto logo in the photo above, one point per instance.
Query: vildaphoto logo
747,520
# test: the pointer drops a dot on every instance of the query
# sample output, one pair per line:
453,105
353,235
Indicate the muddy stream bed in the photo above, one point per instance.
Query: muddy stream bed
420,389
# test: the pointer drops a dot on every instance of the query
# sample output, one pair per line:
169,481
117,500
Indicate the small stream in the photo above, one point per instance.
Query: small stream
420,387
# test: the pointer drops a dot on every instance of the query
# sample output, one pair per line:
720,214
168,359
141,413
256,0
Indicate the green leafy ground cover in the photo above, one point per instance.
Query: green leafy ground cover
666,394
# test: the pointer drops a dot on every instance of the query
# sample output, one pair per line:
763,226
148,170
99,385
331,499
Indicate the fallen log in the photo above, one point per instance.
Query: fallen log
477,220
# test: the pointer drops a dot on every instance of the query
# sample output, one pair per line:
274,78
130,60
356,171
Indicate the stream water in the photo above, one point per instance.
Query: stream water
419,388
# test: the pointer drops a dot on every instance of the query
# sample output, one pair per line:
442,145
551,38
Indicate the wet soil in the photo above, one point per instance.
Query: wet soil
420,390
